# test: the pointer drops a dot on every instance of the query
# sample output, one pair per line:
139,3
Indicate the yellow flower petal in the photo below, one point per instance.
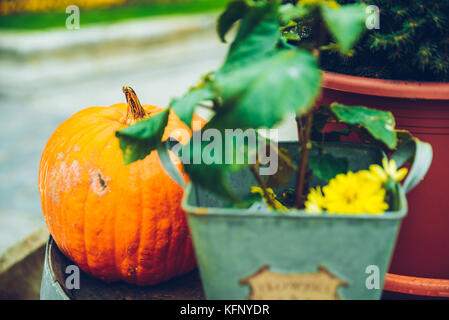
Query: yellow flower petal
315,201
378,172
385,163
355,193
390,170
393,166
257,190
400,174
276,204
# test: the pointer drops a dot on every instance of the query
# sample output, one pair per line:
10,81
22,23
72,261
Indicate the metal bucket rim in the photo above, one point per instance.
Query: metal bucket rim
291,214
295,214
48,253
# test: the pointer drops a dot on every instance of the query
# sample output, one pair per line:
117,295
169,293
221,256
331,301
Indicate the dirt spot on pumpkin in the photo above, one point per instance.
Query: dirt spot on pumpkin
73,176
98,182
54,194
64,178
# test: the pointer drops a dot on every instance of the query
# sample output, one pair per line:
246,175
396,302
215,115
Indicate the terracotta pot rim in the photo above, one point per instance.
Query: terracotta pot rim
416,285
386,88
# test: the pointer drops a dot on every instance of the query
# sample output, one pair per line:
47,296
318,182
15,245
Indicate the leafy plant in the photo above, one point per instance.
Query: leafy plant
411,43
262,80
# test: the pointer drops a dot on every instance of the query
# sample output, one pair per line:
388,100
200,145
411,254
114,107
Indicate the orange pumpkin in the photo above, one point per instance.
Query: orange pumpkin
116,222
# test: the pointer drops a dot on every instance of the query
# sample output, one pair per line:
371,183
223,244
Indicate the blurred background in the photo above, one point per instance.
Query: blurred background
49,71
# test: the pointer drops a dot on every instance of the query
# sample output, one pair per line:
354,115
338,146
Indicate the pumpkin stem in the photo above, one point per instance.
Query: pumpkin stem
135,110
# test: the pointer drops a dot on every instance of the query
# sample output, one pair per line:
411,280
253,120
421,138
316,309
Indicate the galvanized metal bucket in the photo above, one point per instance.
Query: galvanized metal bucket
52,285
55,276
294,255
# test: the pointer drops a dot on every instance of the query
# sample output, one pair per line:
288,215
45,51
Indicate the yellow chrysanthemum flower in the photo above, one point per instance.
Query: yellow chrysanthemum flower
389,169
315,201
277,205
353,193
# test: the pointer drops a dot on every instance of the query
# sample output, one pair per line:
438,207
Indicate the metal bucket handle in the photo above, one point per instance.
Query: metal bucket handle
422,154
168,165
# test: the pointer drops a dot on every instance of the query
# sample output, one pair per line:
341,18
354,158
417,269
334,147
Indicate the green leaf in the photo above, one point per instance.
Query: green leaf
284,45
184,107
234,12
260,94
137,141
346,23
403,136
319,122
380,124
288,36
289,11
326,166
209,161
212,176
257,35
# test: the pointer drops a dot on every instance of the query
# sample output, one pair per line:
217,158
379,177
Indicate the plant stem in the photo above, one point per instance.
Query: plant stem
135,110
305,147
298,126
254,170
216,104
305,131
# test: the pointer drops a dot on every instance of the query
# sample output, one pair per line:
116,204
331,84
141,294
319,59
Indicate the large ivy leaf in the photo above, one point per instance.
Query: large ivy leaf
380,124
263,92
346,23
234,11
326,166
205,163
138,140
257,35
184,107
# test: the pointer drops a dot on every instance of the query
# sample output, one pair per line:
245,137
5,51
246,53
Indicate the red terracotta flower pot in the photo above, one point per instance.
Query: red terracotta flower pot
422,248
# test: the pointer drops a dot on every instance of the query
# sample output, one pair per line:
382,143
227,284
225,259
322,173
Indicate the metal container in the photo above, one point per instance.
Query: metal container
58,269
293,255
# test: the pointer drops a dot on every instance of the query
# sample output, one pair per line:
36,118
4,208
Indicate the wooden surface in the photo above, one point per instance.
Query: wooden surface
183,287
21,266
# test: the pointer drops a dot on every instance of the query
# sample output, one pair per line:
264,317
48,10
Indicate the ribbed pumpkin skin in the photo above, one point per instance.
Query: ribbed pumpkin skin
116,222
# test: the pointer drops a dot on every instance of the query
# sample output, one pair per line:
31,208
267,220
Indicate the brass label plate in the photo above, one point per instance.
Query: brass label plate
268,285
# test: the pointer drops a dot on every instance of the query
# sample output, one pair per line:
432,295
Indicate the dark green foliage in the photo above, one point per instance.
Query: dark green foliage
411,44
326,166
380,124
139,140
262,79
